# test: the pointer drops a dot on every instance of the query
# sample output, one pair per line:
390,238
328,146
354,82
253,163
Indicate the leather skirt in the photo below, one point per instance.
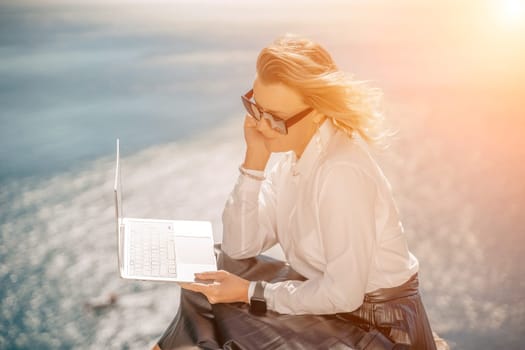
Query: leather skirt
392,318
396,312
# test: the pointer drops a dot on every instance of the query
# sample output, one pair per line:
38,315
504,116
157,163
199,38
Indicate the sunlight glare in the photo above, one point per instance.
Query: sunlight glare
512,12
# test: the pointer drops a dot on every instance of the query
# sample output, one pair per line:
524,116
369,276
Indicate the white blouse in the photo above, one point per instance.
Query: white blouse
333,214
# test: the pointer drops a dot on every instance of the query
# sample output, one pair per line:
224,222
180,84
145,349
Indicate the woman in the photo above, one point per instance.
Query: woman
326,202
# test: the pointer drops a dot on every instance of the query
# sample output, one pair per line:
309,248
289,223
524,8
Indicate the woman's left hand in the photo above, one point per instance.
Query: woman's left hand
226,287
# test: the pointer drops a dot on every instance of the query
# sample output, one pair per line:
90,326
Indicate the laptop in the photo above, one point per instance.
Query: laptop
161,250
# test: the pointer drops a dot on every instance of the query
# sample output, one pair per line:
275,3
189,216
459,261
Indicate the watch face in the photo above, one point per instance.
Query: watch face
257,306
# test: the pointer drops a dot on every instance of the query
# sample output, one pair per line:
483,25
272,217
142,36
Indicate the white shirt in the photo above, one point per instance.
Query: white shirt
333,214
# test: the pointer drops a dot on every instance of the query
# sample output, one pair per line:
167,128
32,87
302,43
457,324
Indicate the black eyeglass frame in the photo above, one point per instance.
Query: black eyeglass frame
279,124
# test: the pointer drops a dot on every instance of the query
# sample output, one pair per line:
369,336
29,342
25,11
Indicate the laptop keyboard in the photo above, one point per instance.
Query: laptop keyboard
152,251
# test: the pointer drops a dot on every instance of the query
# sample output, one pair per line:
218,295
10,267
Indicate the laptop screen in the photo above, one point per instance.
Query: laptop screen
118,188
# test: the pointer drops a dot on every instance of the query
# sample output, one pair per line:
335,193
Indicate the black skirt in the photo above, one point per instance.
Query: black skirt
392,318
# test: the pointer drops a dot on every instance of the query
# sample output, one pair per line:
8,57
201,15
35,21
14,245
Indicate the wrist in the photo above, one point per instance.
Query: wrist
245,298
256,159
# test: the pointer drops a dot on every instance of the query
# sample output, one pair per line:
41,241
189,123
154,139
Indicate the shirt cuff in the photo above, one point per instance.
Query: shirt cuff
251,290
252,172
249,183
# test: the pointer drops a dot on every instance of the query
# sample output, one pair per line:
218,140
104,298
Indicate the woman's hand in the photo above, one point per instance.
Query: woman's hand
226,287
256,153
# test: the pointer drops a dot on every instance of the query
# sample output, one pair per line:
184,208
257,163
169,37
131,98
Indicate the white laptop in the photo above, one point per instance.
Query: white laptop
161,250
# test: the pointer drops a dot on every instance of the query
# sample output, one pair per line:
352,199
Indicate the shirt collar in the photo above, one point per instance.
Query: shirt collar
315,147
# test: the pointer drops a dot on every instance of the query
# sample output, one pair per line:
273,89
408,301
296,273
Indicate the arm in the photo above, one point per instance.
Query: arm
248,217
248,222
346,221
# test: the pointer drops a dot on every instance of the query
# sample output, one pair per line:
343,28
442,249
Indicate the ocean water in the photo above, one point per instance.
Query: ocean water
166,77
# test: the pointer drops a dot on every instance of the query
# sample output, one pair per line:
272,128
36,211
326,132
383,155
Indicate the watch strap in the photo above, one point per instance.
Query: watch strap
257,301
259,290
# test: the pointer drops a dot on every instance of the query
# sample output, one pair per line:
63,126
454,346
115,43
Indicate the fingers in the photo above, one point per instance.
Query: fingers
225,287
195,287
209,290
212,275
249,121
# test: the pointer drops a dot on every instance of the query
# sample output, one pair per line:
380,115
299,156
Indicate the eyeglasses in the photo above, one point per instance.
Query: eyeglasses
276,123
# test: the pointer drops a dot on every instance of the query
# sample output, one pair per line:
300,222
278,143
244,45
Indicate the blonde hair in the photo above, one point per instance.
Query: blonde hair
307,67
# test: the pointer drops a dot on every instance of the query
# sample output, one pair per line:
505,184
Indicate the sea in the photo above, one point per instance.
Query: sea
165,77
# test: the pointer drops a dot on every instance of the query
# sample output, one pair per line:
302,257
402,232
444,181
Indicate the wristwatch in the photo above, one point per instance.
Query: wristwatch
257,301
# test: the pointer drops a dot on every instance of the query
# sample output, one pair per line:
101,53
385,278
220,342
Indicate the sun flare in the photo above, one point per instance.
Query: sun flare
512,12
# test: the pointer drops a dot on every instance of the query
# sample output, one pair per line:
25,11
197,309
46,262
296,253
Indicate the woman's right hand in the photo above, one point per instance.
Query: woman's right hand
257,154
